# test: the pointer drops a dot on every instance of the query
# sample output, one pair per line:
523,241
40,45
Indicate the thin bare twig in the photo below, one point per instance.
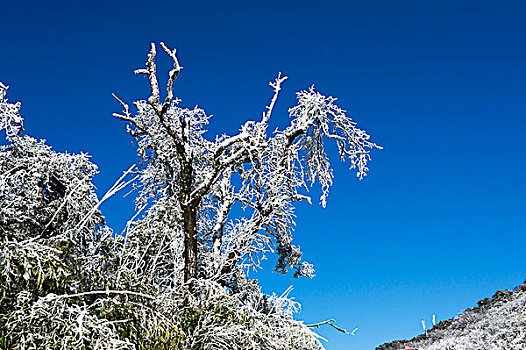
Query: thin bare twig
276,85
330,323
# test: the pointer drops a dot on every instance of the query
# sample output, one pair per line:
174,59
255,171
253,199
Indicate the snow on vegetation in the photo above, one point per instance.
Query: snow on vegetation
178,277
497,323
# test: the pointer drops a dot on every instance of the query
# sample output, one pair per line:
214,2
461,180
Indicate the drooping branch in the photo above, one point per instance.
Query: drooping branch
10,119
100,292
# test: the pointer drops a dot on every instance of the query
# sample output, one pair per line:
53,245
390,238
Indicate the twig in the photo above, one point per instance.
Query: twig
103,292
119,185
276,85
330,323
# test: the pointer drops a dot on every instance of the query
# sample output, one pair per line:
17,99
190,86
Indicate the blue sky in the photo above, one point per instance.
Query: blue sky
440,221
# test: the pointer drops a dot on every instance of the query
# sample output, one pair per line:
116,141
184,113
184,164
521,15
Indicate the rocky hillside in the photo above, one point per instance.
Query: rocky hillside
496,323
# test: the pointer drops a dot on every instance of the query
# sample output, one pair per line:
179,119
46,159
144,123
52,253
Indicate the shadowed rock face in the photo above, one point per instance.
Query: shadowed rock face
498,322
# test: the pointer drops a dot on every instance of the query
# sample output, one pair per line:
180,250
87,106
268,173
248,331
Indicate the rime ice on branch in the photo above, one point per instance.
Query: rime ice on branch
10,119
190,180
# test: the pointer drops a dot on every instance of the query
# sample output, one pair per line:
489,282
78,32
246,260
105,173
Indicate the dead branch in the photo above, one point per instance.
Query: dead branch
330,323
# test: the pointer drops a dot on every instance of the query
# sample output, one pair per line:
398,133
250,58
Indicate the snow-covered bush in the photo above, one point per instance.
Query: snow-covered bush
497,323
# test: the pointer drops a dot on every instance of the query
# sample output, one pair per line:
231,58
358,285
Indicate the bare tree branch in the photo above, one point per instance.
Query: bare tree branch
330,323
171,78
276,85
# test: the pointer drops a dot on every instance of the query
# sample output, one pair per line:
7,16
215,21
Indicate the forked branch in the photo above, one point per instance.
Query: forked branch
151,72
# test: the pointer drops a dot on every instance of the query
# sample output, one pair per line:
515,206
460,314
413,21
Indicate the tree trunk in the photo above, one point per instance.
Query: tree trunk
189,219
190,243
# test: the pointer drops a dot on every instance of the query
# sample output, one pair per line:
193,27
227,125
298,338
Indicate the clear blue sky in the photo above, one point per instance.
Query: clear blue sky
440,221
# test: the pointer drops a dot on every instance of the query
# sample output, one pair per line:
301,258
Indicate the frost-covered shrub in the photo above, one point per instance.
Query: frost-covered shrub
52,239
497,323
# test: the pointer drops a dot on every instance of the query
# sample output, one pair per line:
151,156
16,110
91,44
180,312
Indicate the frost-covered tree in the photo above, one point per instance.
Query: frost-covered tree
194,181
208,209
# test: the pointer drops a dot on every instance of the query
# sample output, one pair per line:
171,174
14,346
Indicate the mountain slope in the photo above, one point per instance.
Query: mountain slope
496,323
